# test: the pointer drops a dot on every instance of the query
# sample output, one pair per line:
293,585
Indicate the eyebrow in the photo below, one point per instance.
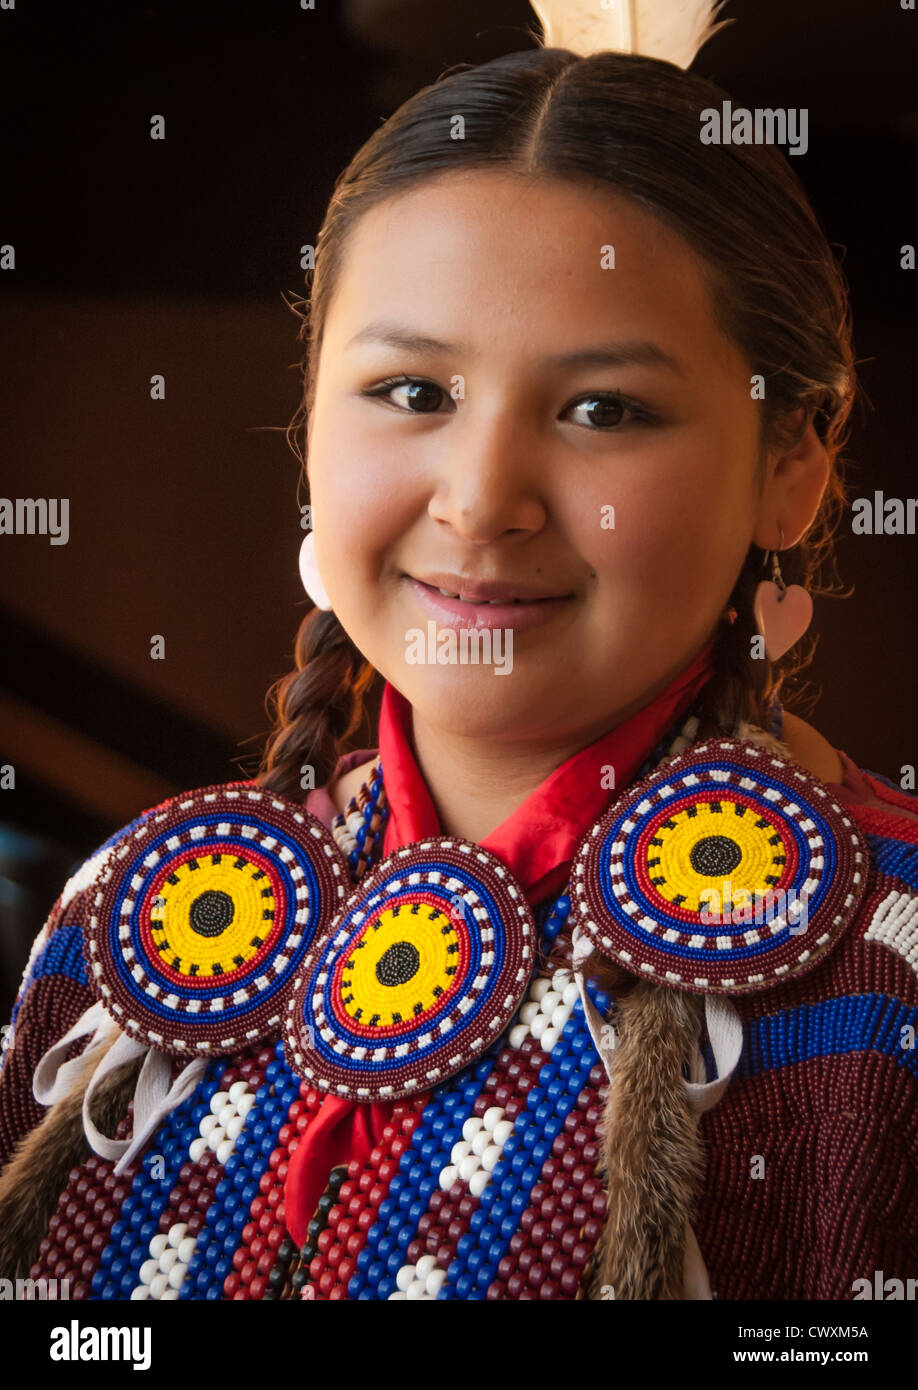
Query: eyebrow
638,352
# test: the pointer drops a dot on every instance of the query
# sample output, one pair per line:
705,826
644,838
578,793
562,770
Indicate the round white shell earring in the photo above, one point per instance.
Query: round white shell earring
309,573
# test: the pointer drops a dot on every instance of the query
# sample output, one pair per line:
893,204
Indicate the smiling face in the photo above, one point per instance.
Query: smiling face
550,396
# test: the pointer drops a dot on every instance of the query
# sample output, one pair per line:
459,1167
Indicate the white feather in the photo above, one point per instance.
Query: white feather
673,30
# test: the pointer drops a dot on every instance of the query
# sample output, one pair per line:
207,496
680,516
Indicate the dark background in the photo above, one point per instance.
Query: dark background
136,257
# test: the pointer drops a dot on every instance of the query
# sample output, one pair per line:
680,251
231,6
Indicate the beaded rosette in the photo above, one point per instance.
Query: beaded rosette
726,871
202,913
421,970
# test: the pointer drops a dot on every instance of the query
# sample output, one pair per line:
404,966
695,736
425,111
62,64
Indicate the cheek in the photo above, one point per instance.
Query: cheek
679,526
360,509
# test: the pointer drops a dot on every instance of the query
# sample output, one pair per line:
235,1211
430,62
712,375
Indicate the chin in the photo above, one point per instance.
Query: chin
476,703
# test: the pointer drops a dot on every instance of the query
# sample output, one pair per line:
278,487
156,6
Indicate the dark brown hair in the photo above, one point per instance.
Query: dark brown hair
630,124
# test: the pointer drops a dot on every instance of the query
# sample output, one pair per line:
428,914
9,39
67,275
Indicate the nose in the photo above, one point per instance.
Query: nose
489,476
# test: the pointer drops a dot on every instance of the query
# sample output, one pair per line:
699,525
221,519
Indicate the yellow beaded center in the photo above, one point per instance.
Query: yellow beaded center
693,852
401,965
214,918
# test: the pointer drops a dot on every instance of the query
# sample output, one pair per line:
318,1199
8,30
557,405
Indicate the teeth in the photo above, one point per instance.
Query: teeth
446,594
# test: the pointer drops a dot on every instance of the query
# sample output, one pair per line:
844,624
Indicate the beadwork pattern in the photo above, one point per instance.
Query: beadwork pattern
487,1187
202,914
727,871
425,963
359,827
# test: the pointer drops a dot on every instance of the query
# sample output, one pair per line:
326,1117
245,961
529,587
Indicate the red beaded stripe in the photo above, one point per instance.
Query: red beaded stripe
78,1231
266,1228
358,1199
897,827
560,1227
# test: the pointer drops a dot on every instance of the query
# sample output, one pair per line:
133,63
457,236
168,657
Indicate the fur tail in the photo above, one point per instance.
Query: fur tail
39,1169
652,1155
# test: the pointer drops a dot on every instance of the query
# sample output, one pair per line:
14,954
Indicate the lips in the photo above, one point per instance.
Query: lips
514,608
480,591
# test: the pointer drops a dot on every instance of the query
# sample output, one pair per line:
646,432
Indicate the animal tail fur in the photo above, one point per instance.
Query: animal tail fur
38,1171
651,1153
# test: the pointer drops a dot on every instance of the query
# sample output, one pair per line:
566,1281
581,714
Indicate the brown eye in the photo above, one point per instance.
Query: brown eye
419,397
604,410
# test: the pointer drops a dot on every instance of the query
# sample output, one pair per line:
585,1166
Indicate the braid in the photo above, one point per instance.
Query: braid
316,707
740,688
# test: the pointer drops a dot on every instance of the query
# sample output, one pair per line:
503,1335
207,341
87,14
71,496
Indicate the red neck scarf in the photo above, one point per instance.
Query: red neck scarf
536,843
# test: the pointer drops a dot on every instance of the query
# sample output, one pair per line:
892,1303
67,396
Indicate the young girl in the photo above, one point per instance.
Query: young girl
573,376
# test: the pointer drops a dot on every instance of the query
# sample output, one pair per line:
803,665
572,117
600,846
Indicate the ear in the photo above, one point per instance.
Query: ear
794,484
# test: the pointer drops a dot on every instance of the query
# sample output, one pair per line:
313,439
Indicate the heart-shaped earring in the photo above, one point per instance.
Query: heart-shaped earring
783,612
309,573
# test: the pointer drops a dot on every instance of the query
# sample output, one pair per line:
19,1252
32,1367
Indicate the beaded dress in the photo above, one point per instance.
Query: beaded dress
487,1186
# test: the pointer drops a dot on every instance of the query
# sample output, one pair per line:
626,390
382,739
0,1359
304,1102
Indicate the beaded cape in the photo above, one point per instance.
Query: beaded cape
486,1185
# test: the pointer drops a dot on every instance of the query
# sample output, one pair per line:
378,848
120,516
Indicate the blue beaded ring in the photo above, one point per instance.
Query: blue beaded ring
202,912
724,872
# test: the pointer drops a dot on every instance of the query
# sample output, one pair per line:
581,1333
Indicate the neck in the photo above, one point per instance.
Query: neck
476,784
475,787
